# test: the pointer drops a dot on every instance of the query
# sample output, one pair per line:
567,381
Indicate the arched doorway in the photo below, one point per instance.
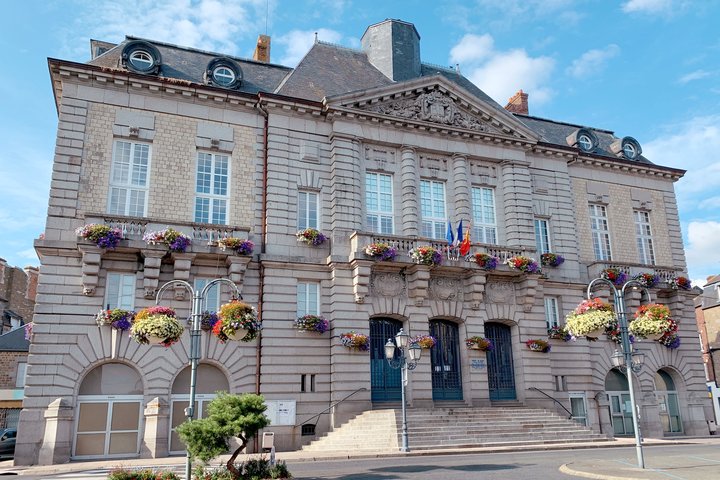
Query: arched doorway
384,380
209,381
501,374
668,403
618,392
107,424
445,361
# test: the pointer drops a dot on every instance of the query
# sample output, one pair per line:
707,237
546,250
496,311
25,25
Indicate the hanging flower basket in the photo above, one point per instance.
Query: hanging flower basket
680,283
671,341
312,323
617,277
560,333
156,326
552,259
537,345
102,235
208,321
381,251
479,343
486,261
116,318
647,280
614,334
311,236
176,241
426,255
590,319
355,341
29,331
652,322
237,321
524,264
425,342
239,246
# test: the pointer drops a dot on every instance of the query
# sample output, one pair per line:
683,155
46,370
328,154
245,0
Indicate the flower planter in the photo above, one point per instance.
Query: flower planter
655,336
153,340
537,349
238,334
595,333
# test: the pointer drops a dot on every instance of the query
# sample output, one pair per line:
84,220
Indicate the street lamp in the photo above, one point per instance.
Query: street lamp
195,334
399,355
632,360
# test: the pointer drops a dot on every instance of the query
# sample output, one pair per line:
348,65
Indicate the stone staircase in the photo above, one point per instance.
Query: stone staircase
446,428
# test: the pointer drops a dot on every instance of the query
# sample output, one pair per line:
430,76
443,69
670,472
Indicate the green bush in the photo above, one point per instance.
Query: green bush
254,469
220,473
145,474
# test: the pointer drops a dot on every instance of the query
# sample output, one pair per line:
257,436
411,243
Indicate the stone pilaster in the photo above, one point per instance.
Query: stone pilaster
181,263
361,278
461,196
346,212
418,283
409,182
157,424
517,202
57,441
151,270
237,264
91,259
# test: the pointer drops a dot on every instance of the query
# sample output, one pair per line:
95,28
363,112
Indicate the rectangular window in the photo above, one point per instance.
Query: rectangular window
551,312
644,237
129,179
308,299
307,210
379,202
600,232
211,188
542,236
211,302
120,291
20,376
484,223
578,408
432,209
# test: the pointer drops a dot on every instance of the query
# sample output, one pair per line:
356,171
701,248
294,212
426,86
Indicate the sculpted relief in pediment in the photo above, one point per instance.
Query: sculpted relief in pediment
435,107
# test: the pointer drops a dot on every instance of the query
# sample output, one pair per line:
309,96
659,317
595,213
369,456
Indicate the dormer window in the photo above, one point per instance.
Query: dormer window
629,151
585,143
141,57
223,72
628,148
584,139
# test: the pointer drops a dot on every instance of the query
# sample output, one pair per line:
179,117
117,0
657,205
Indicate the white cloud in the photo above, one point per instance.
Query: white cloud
696,75
592,61
298,43
502,73
703,254
647,6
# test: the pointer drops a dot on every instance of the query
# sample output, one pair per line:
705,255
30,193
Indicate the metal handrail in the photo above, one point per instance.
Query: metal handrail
330,407
570,415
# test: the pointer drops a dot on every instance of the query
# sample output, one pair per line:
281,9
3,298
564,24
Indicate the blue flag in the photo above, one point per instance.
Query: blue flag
449,235
459,237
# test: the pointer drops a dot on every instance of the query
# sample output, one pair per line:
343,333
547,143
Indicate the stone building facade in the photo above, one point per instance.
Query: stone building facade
707,315
365,146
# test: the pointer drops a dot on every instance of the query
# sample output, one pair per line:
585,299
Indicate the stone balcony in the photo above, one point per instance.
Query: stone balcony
632,269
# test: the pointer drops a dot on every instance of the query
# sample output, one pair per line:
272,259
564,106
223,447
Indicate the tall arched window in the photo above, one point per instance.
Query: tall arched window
668,402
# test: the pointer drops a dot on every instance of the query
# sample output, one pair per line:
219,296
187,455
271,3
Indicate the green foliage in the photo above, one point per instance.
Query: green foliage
256,469
146,474
229,416
280,470
259,469
220,473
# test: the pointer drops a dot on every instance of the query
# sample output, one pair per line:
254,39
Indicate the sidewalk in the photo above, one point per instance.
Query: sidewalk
658,465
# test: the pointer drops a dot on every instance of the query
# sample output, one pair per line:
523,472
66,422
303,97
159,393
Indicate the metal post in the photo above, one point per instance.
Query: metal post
404,373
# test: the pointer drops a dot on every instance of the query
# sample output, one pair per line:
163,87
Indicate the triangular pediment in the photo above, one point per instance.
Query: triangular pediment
437,101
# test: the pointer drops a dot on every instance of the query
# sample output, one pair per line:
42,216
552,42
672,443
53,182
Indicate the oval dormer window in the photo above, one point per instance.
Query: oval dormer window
223,72
631,148
585,142
141,57
584,139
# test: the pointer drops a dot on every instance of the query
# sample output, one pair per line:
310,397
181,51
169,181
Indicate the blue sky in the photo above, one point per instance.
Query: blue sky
649,69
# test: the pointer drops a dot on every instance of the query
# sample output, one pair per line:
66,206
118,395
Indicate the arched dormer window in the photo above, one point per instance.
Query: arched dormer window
141,57
223,72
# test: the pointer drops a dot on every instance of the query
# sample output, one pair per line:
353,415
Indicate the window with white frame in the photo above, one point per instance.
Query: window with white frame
432,209
379,202
552,318
129,179
600,232
307,216
308,298
211,188
20,374
542,235
484,224
644,237
120,291
211,302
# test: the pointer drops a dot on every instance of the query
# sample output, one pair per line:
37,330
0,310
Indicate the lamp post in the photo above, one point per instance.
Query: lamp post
195,334
631,359
400,355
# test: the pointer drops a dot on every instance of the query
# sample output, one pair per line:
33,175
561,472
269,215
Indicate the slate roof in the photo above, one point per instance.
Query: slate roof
190,64
14,341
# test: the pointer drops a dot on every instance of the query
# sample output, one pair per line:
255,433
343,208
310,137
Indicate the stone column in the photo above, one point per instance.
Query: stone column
410,201
462,198
57,441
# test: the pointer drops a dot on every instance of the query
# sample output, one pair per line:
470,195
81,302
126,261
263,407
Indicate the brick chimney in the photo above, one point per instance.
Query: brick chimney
32,282
518,103
262,49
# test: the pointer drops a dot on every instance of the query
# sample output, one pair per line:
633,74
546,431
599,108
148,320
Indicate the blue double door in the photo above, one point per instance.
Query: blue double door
501,374
385,381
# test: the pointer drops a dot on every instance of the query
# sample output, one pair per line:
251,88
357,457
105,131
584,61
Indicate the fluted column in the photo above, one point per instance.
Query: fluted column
461,188
410,201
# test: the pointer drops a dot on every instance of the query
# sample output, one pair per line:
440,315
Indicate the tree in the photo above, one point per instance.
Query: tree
229,416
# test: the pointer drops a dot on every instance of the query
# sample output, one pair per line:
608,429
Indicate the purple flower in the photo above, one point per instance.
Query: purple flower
180,244
122,323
